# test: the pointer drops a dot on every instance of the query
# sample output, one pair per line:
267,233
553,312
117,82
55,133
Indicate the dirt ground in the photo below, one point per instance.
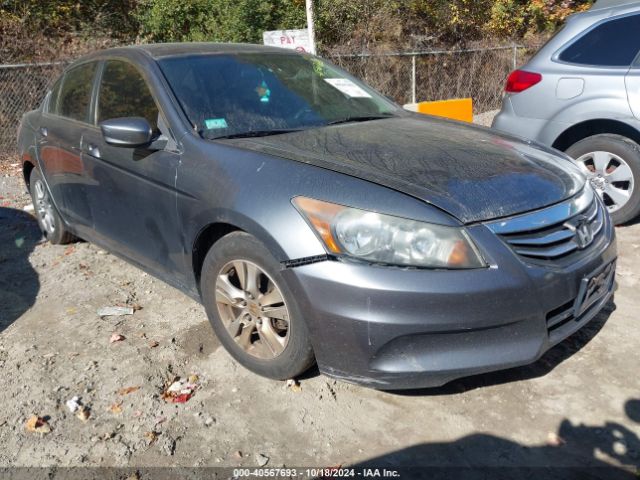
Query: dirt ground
578,406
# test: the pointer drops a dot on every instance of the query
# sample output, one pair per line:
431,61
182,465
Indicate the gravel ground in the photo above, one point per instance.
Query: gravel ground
578,406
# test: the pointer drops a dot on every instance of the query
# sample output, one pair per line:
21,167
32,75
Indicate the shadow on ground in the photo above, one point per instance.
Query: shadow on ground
482,456
19,284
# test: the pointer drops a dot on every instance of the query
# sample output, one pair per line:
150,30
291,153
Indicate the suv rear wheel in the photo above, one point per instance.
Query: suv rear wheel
612,164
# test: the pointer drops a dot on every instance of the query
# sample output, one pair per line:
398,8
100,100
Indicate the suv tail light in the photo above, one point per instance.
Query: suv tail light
520,80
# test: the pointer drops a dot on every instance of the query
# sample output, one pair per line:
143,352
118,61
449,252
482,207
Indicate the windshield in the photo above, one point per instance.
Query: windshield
234,95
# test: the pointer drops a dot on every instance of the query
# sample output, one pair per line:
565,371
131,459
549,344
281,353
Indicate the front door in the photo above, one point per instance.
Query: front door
133,197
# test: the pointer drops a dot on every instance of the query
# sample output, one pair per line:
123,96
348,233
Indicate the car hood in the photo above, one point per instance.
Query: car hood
470,172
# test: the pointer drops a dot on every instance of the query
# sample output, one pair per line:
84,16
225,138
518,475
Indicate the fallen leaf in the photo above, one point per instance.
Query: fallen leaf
193,378
127,390
69,250
294,385
555,440
153,344
83,413
116,337
115,408
37,425
151,436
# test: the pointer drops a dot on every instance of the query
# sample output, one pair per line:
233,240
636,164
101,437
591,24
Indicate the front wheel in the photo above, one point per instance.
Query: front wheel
251,309
612,164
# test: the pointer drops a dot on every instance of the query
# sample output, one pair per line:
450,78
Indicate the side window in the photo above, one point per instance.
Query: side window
124,93
75,94
52,106
612,44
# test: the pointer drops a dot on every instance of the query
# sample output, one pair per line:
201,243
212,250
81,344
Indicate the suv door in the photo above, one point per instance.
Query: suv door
133,199
64,120
633,85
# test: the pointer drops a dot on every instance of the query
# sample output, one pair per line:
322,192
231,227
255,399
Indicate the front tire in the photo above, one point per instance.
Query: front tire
612,164
49,220
252,310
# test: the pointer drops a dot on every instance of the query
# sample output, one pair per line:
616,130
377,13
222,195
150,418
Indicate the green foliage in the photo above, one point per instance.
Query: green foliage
347,23
58,17
216,20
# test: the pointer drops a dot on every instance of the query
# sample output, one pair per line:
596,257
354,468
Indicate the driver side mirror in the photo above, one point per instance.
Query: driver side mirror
128,132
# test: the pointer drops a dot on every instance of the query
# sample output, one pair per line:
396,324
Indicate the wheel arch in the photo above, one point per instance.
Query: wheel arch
222,225
589,128
27,168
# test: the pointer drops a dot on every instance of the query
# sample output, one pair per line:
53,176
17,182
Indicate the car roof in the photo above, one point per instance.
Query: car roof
163,50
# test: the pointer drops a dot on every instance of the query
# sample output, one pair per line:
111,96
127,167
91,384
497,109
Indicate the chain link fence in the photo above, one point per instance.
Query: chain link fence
404,76
22,87
410,77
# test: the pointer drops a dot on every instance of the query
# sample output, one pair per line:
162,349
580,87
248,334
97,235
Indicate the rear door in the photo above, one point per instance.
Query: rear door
633,78
133,196
63,122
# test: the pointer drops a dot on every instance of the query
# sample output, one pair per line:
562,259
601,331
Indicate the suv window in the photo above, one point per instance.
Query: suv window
612,44
75,94
124,93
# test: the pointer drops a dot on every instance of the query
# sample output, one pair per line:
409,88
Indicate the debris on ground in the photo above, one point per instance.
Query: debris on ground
116,337
37,424
73,404
153,344
555,440
114,311
237,454
180,390
151,436
127,390
261,459
294,385
83,413
115,408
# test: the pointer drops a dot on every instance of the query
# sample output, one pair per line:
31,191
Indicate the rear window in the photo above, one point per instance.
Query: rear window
612,44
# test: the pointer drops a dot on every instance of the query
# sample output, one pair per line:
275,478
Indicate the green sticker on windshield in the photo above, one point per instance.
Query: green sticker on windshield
214,123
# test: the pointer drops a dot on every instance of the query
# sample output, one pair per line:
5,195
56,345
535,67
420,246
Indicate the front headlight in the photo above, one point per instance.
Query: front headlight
380,238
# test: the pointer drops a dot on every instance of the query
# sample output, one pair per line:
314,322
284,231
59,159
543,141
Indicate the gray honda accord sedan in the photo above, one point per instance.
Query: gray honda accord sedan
314,219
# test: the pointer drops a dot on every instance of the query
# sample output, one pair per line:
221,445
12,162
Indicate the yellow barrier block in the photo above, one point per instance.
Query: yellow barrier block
455,109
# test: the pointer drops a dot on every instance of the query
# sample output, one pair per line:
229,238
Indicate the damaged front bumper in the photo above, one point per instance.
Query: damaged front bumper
397,328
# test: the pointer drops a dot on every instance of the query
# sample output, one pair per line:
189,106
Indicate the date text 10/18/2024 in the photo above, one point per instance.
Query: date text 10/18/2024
309,473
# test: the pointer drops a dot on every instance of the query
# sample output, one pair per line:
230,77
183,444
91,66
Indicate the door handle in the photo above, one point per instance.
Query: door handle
93,150
43,131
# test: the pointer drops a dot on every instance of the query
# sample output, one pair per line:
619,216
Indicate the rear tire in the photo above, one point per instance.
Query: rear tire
49,220
612,163
257,321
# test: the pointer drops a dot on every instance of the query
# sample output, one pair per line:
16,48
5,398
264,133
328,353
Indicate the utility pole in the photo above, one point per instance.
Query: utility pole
310,29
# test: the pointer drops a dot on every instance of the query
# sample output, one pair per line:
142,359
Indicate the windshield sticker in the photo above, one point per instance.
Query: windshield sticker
347,87
215,123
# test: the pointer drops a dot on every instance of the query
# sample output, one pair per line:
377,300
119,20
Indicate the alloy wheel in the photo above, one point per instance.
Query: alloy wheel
44,207
610,176
253,310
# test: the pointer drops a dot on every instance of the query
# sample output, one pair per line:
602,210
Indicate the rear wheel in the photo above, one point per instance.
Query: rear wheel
49,219
612,164
251,309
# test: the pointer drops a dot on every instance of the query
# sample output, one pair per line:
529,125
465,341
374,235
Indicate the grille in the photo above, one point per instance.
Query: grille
556,231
